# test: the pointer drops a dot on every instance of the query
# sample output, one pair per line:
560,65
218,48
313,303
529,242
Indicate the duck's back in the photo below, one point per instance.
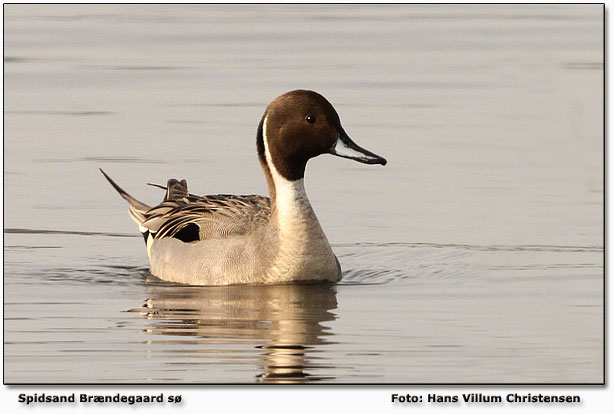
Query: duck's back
193,218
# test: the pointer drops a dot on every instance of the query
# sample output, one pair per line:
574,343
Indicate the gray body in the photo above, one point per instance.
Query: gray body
242,239
243,243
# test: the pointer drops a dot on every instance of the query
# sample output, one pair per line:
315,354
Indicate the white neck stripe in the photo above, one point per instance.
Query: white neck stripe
267,153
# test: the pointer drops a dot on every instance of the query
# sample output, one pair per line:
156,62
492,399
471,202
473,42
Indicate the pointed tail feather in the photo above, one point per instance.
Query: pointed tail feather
174,189
137,209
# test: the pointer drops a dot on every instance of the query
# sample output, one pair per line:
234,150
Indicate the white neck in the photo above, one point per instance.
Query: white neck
304,251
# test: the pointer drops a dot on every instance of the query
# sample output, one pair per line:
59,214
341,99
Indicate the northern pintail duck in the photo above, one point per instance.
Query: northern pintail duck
233,239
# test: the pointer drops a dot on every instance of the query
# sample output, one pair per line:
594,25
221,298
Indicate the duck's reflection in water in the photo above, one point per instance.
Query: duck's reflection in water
282,325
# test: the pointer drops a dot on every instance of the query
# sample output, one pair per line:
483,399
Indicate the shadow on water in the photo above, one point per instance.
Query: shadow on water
285,323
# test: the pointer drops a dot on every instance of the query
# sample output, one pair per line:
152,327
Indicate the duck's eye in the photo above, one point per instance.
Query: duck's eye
311,119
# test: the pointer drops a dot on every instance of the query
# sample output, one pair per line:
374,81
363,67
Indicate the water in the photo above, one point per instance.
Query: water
474,256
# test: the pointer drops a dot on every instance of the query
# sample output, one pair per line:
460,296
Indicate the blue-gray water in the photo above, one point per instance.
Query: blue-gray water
475,255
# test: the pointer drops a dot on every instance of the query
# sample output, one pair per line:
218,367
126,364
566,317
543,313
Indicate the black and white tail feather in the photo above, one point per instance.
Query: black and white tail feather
138,210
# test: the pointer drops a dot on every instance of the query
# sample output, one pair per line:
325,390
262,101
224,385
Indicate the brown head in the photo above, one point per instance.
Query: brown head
300,125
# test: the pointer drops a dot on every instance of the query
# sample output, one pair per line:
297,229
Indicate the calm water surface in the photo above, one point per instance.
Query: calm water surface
475,255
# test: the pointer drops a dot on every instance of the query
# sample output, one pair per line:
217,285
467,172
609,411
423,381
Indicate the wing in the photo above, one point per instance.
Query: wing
192,218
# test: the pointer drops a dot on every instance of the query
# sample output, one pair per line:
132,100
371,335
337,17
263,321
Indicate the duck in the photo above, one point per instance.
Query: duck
226,239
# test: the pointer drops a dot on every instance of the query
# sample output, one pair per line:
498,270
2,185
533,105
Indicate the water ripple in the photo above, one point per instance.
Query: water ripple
497,247
362,263
67,232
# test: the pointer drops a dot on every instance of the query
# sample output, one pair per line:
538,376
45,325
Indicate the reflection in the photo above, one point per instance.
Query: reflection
282,325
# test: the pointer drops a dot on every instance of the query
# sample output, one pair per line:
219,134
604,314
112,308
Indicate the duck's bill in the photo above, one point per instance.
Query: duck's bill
346,148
